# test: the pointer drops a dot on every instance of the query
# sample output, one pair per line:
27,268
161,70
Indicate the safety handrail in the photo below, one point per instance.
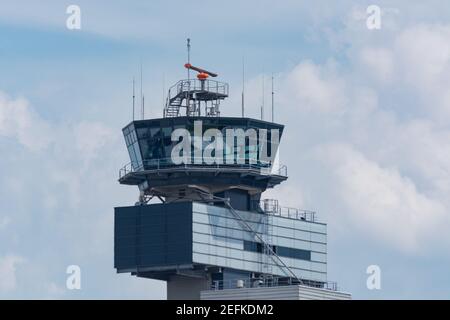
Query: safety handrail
271,206
270,282
264,167
190,85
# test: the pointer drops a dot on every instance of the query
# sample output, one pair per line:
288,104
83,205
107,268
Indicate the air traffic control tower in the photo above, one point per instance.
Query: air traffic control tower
212,235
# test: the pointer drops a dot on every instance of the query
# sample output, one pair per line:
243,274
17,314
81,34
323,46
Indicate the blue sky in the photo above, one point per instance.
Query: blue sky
367,138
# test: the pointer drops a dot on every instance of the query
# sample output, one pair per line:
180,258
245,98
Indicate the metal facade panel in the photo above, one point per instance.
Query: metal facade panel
219,240
153,235
184,233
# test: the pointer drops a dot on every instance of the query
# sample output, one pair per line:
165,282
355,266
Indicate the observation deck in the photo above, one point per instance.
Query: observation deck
150,144
197,96
162,176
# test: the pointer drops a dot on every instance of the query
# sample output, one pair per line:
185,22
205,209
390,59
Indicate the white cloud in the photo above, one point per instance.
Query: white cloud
415,59
379,62
315,87
425,150
423,54
382,203
8,276
55,291
90,137
19,121
59,187
379,121
4,222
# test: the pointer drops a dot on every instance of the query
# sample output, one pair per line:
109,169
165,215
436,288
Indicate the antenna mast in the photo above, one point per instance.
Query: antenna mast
262,104
188,102
196,94
243,87
143,106
188,55
164,89
272,100
134,96
142,96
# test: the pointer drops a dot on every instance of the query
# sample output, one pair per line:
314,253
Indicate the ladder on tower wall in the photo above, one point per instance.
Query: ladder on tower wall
267,247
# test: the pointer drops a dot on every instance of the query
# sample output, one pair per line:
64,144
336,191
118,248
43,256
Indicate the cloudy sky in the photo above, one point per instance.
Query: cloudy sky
367,138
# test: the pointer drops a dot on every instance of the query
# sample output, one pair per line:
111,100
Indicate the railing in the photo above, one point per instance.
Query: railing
270,282
126,169
331,285
271,206
265,168
198,85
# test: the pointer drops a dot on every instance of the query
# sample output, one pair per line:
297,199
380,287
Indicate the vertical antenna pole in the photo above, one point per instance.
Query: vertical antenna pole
263,92
189,75
142,96
164,89
188,55
272,100
243,87
134,96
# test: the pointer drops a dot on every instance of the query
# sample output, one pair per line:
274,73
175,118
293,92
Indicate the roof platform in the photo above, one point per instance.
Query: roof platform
190,93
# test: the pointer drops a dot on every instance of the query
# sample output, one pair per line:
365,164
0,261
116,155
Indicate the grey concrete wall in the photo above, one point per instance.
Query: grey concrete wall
185,288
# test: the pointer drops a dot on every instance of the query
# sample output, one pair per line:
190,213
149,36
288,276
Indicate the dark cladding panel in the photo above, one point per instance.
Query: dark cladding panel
240,199
153,235
179,233
125,237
